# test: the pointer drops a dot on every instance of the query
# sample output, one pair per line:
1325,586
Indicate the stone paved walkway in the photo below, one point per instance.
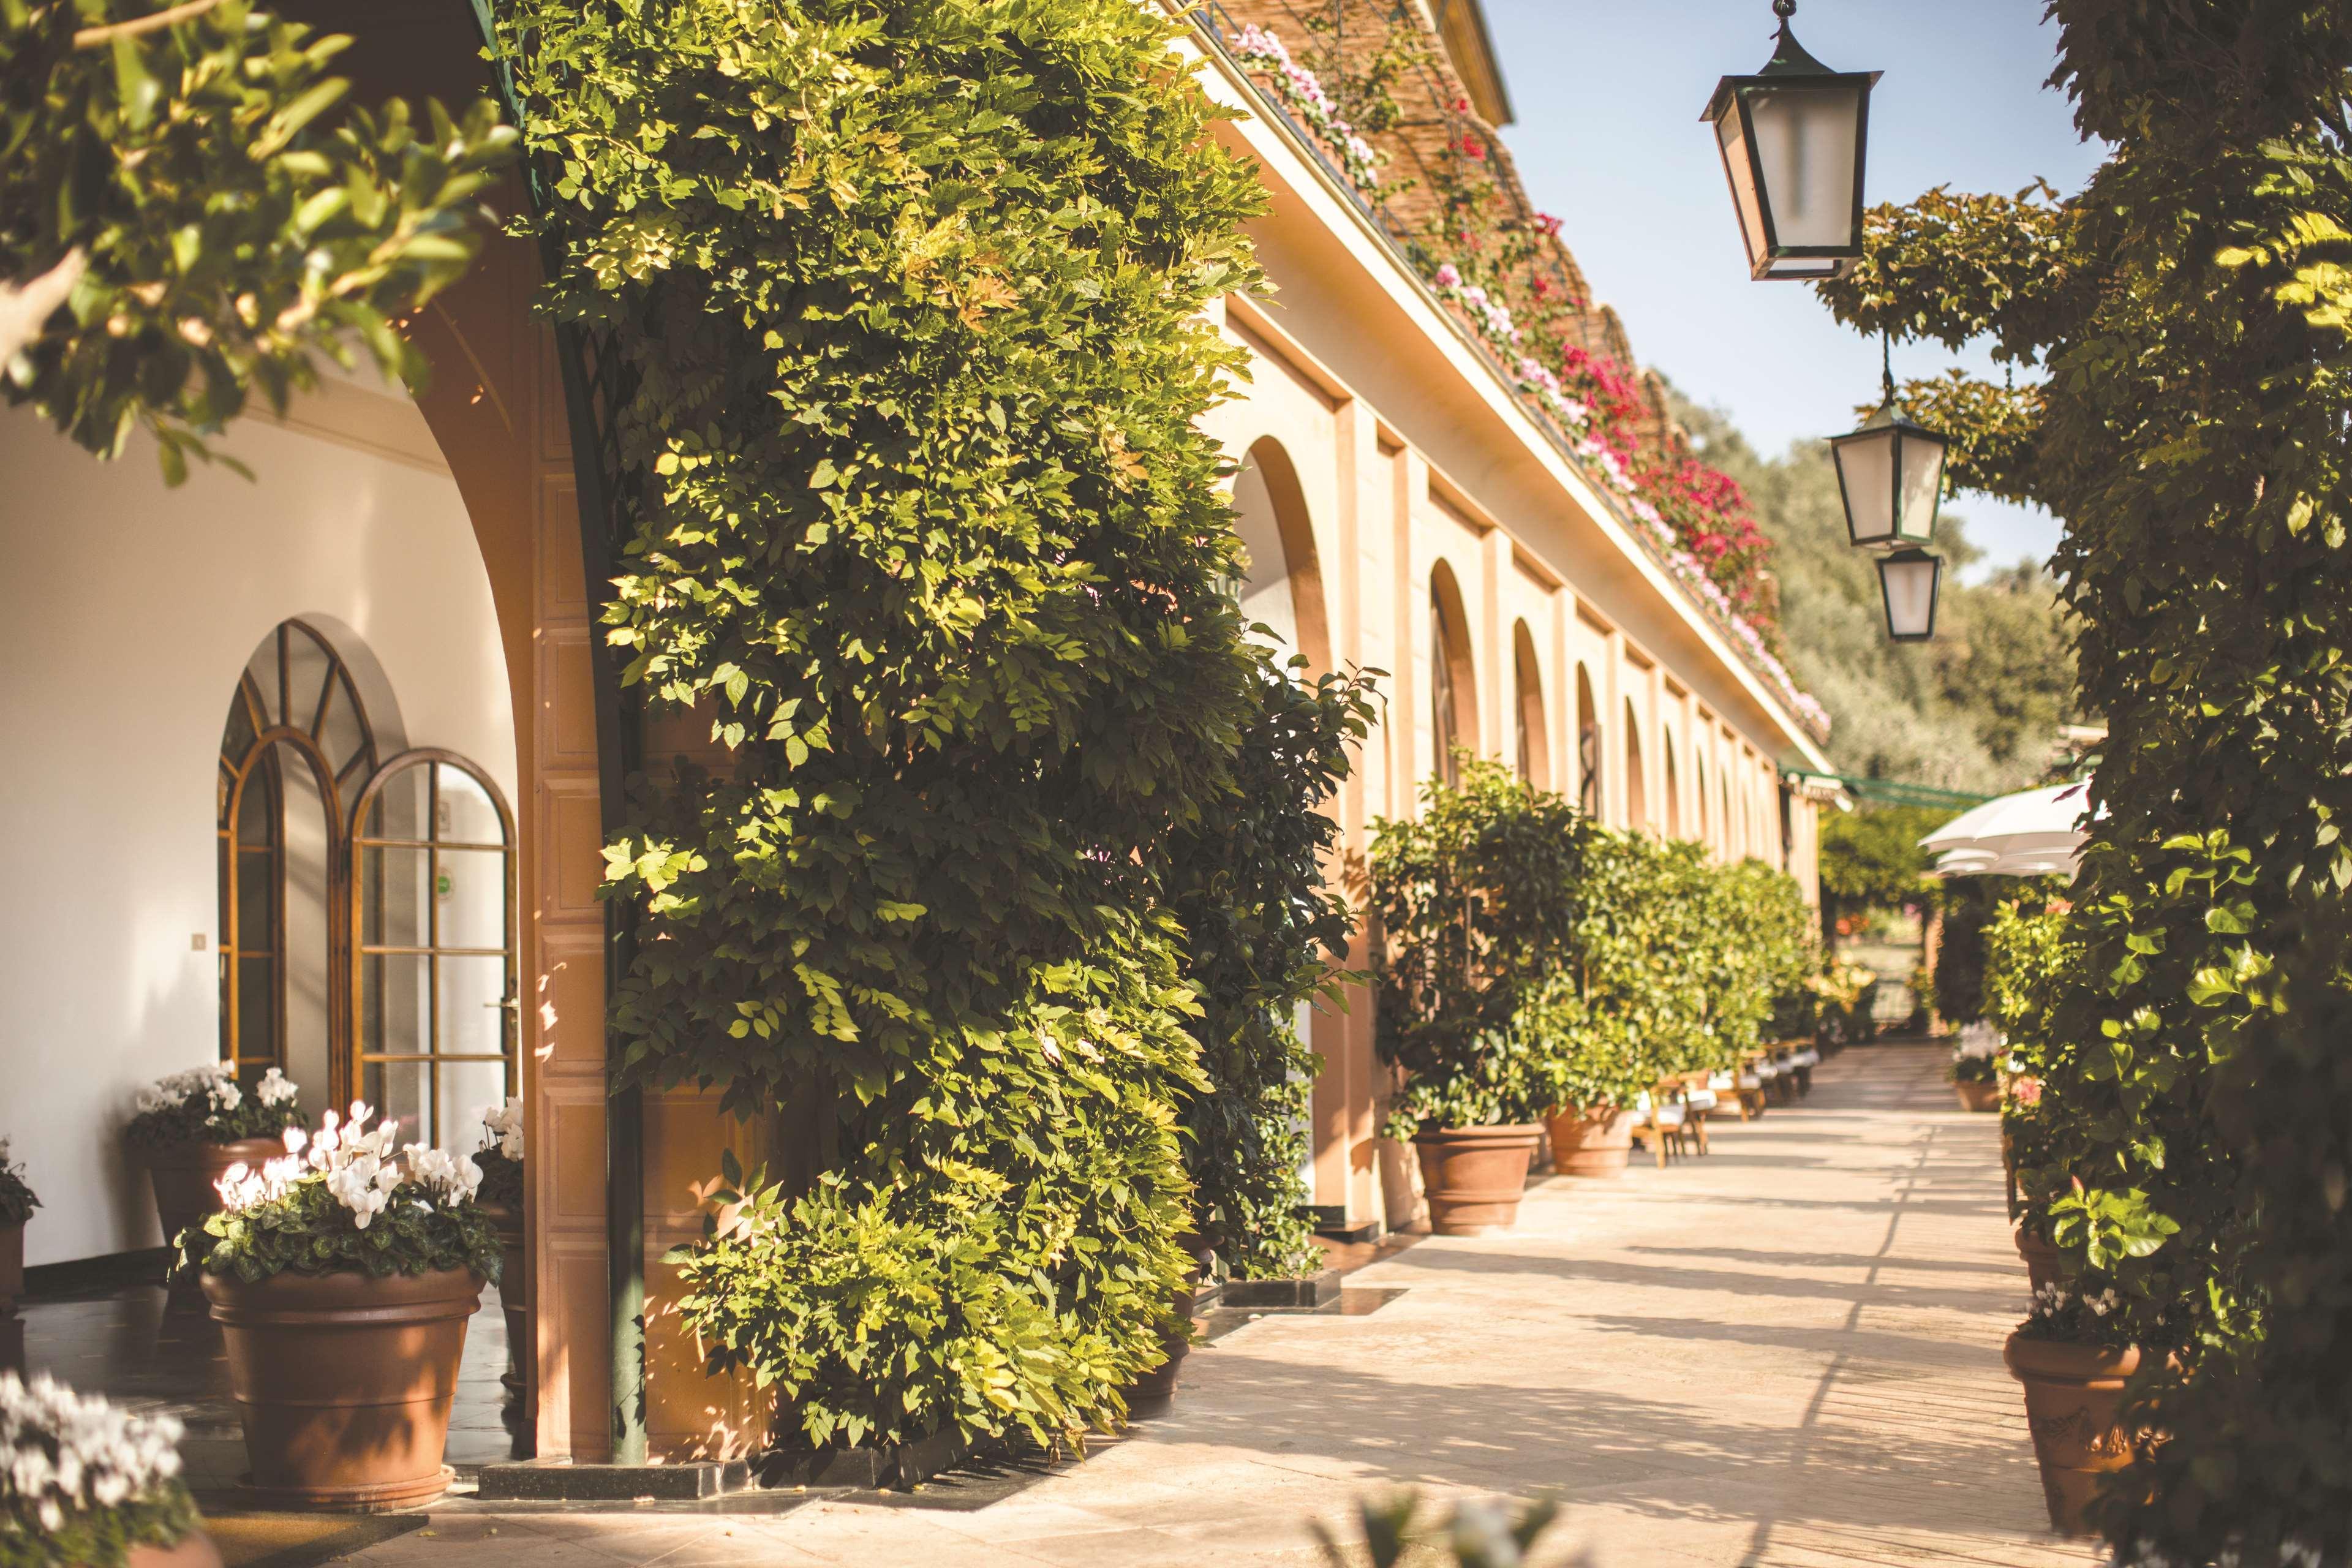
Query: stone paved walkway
1785,1355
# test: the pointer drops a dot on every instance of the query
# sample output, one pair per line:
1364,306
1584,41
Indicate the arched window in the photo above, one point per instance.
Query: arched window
368,911
296,742
1674,790
1587,747
1637,800
1698,798
1453,684
434,996
1284,589
1535,736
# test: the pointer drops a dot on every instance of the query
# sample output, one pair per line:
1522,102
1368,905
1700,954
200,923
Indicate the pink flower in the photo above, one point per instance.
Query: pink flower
1448,276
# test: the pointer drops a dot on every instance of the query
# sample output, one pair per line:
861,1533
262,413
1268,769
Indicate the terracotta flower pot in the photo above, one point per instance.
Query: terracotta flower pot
1475,1176
194,1550
2044,1263
12,1266
183,1178
1978,1096
1595,1143
2074,1404
345,1383
1160,1383
514,1288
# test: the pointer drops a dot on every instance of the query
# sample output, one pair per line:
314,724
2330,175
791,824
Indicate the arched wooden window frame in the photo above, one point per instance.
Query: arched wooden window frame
1588,746
1637,793
1534,734
1454,681
354,1062
260,759
1673,787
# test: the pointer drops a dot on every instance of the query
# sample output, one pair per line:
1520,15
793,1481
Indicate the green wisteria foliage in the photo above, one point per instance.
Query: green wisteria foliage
2187,312
189,212
909,299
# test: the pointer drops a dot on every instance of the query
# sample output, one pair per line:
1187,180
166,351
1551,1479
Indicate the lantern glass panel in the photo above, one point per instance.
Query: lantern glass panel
1730,135
1806,144
1922,455
1907,580
1866,465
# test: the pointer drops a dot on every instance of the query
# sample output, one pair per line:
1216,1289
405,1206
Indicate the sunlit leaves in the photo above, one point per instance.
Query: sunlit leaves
235,217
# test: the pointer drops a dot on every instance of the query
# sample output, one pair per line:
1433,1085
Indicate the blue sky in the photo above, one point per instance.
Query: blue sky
1608,94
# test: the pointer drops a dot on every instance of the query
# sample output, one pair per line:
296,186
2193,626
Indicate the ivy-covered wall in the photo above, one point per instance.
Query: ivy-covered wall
908,301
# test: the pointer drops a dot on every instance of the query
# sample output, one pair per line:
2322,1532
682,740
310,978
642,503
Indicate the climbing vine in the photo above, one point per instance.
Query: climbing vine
910,301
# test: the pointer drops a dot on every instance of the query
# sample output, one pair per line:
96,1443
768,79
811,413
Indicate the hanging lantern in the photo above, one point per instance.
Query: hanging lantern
1909,580
1793,138
1890,477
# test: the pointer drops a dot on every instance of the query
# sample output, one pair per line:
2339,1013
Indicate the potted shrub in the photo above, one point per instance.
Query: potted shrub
1596,1072
499,1159
16,1205
1477,900
190,1129
1977,1080
342,1278
2074,1355
86,1485
1473,1124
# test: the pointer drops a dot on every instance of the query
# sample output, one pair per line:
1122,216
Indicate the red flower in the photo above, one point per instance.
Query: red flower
1472,147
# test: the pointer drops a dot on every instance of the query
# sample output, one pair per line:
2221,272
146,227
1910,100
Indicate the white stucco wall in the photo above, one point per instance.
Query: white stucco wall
130,609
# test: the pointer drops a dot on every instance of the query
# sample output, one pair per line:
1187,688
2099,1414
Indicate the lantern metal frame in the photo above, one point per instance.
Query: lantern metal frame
1789,66
1890,416
1911,557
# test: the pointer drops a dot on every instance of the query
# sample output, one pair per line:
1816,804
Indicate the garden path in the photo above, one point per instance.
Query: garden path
1784,1355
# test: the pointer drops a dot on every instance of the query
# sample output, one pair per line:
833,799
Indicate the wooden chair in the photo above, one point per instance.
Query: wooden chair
1800,1056
1779,1087
1700,1103
1737,1089
1662,1122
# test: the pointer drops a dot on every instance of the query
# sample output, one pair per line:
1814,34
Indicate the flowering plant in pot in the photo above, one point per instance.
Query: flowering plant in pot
343,1277
1976,1077
84,1484
16,1205
1477,902
500,1160
2076,1352
191,1127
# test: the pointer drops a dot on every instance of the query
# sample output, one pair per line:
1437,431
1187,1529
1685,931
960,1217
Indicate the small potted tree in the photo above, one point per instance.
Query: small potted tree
1473,1121
191,1128
1596,1070
1477,901
499,1159
342,1278
16,1205
86,1485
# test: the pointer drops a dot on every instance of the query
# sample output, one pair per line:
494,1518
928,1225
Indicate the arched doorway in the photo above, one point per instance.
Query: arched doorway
1453,679
1587,747
1535,737
1637,794
1283,590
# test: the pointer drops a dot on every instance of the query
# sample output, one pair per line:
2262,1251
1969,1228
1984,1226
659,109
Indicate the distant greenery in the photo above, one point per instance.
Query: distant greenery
1977,709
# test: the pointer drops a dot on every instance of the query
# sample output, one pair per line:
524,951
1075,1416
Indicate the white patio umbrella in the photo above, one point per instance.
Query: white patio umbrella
2036,833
